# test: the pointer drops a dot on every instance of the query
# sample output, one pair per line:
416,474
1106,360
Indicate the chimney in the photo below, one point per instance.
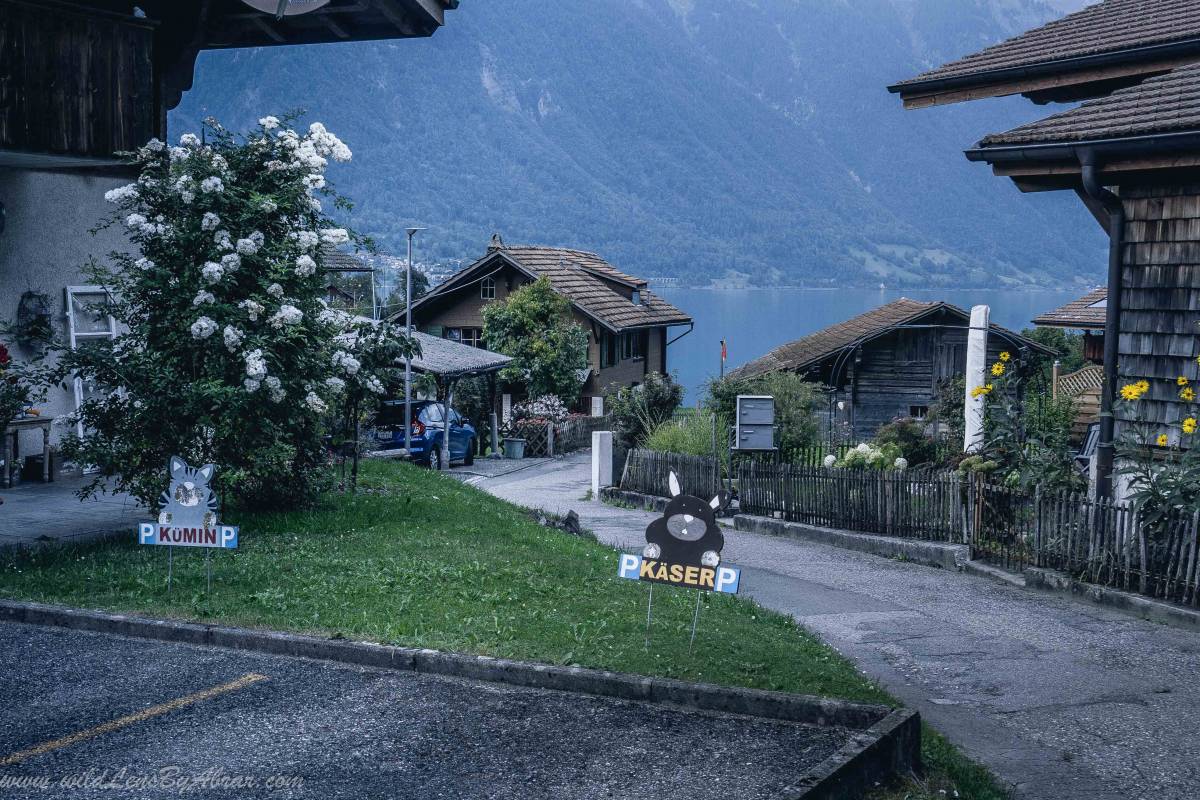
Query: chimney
496,244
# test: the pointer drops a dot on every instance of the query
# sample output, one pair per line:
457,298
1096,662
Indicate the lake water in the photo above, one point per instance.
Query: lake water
753,321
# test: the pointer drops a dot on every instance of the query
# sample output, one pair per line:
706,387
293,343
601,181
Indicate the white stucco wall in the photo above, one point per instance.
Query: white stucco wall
44,247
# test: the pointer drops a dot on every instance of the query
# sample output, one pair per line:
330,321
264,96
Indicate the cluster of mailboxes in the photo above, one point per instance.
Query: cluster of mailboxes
755,428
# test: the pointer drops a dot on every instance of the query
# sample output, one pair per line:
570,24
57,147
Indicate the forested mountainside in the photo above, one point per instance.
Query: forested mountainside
699,139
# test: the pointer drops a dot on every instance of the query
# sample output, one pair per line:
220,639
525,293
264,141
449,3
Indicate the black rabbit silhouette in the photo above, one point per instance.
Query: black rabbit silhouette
687,533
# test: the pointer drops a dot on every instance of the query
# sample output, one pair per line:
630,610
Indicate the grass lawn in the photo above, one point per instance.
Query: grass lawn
419,559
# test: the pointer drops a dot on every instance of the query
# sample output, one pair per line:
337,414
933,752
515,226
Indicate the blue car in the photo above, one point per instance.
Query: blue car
427,431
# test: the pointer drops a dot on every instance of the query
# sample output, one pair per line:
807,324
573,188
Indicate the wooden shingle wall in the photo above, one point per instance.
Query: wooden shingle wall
1160,285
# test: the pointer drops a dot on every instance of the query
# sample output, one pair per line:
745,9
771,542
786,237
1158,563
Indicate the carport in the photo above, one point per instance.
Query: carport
449,362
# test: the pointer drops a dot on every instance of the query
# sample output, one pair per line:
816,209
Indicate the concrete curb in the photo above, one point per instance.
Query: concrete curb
986,570
1048,580
885,741
934,554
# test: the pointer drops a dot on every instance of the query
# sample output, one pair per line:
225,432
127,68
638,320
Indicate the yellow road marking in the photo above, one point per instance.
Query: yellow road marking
154,711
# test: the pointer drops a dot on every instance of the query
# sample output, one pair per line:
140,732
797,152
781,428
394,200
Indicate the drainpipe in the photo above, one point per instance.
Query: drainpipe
1112,318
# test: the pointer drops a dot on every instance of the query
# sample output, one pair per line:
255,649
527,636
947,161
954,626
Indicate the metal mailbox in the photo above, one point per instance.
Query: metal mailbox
755,428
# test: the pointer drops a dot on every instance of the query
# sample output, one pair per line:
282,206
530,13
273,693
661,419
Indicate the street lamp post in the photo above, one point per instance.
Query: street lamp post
408,332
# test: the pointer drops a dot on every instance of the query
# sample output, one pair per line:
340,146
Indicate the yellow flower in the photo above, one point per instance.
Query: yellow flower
1187,394
1143,385
1181,381
1005,356
1162,440
980,391
1189,425
998,369
1132,391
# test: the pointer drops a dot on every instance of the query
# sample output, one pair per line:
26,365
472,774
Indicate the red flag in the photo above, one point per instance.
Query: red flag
724,351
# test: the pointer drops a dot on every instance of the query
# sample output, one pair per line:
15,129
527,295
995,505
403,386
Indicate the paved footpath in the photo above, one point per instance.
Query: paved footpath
1060,698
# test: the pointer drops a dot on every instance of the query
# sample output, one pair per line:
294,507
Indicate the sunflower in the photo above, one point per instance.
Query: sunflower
980,391
1187,394
1189,425
1162,440
1143,385
1005,356
1181,381
998,369
1131,391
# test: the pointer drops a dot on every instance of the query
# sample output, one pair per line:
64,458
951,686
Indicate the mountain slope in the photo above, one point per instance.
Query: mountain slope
693,138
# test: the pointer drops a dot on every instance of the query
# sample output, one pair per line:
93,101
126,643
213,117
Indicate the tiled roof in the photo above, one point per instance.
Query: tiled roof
446,358
1108,27
574,274
1163,104
1087,312
809,351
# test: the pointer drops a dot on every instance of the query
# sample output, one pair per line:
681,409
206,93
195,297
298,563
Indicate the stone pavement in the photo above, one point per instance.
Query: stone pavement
34,513
1060,698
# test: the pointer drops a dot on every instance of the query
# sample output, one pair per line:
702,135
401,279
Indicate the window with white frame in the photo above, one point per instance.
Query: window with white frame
88,322
487,289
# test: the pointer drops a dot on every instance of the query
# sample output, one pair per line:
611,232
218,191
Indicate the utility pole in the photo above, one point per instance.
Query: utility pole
408,332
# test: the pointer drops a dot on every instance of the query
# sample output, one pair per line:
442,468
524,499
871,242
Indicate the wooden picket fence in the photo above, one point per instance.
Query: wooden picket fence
647,471
543,439
910,504
1099,542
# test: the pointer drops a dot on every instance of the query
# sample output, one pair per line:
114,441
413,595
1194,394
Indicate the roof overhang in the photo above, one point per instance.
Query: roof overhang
1059,80
1049,166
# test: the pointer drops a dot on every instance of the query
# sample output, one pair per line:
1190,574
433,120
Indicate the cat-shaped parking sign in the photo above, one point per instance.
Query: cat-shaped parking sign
189,511
683,547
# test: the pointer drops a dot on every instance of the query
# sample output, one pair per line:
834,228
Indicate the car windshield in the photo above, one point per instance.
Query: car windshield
431,413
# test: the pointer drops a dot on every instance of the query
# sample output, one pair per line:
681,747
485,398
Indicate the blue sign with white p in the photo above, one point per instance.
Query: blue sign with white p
223,536
724,579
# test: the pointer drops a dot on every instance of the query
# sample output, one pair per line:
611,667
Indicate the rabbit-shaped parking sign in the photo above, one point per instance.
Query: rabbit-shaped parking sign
683,547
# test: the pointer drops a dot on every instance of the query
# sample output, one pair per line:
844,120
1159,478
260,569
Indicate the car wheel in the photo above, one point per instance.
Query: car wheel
435,458
469,458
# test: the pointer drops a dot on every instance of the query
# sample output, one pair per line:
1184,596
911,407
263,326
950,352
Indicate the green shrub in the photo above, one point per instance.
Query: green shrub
639,410
909,436
690,435
796,401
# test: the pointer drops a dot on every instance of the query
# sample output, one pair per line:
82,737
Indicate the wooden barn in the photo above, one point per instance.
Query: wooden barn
888,362
1131,152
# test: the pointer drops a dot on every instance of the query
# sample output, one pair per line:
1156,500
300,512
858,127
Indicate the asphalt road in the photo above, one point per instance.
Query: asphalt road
1062,699
86,715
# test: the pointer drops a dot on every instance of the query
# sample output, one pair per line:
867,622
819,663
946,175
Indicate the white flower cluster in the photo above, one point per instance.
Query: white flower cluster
547,407
256,370
315,403
275,388
231,262
189,140
336,317
829,461
122,193
286,315
251,244
373,384
233,338
275,290
212,272
203,328
252,309
157,227
346,362
306,239
203,297
335,384
327,144
210,221
223,240
144,263
305,266
212,185
269,123
184,187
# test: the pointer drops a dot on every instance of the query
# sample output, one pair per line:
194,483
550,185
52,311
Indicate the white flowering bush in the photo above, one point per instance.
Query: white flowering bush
871,456
230,356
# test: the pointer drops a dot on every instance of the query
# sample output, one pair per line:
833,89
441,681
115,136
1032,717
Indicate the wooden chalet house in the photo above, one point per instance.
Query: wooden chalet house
628,326
1130,151
85,79
887,362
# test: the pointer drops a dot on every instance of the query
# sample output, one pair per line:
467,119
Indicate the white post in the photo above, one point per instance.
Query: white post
976,376
602,461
